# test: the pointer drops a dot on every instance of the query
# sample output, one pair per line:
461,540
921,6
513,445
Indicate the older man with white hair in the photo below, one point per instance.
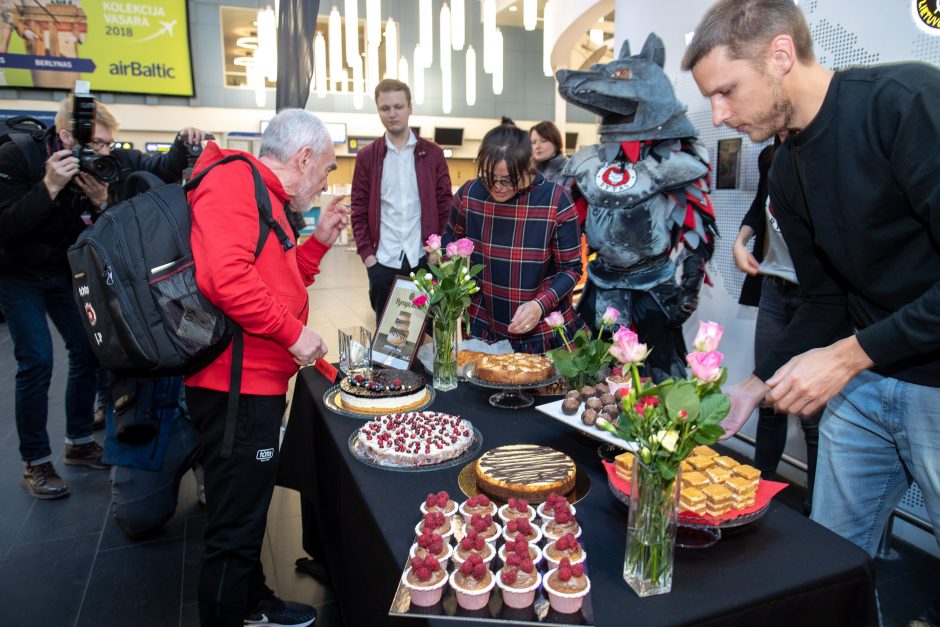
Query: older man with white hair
265,294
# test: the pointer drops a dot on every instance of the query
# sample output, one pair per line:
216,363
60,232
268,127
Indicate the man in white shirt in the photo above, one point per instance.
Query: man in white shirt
401,194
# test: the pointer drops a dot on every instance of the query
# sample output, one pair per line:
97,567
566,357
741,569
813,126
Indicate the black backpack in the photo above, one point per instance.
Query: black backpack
29,135
134,280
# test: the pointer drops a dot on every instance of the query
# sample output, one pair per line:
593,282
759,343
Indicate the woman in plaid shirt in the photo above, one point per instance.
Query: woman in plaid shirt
525,232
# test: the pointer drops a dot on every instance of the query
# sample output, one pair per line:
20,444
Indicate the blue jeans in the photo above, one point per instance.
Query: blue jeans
26,303
779,301
877,436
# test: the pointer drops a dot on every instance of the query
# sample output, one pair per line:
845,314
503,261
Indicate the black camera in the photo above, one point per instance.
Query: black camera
192,156
104,168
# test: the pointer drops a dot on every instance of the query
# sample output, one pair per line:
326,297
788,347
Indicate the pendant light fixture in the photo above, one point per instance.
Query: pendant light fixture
471,90
335,31
391,49
403,69
319,64
548,37
352,32
489,31
498,62
426,32
418,68
457,24
446,69
530,14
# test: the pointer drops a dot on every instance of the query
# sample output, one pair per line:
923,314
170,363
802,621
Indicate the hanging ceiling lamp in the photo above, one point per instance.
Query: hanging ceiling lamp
426,31
319,63
403,69
446,69
336,47
457,24
530,14
372,67
418,66
373,22
548,37
266,55
489,31
352,32
498,62
471,90
391,49
357,87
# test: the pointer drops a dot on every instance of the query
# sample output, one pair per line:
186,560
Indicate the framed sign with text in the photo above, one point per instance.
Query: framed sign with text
139,47
401,327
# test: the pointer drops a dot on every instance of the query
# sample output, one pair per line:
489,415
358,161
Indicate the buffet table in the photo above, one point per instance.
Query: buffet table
780,570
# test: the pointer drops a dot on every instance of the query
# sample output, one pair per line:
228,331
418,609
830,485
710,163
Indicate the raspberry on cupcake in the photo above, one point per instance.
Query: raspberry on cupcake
521,526
472,583
440,502
562,523
430,543
483,524
520,548
437,523
473,544
425,579
479,504
566,586
518,580
554,502
516,508
567,546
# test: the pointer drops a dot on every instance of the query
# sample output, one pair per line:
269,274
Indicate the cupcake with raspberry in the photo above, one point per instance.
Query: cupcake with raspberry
473,544
435,522
480,504
566,586
424,579
521,526
472,583
516,508
430,543
554,501
562,523
518,580
564,547
483,524
440,502
520,548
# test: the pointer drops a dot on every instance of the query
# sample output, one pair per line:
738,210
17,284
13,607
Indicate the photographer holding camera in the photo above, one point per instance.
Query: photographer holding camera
43,208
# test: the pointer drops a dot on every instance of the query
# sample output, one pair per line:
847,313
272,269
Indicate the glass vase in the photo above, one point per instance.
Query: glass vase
651,531
445,353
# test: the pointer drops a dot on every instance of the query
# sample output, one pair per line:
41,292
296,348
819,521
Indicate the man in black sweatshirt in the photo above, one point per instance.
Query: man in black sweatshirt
857,195
45,202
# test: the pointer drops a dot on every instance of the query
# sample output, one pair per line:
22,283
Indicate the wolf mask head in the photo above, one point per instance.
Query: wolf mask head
632,95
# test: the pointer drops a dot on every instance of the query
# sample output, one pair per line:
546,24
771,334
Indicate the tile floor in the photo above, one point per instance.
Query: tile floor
65,562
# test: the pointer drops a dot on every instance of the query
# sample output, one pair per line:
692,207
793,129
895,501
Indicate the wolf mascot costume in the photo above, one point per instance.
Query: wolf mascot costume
643,190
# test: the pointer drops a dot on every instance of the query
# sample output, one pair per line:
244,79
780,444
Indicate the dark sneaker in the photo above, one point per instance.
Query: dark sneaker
43,482
88,454
277,613
98,422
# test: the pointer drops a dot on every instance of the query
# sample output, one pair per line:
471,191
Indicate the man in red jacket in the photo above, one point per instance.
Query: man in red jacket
267,297
401,194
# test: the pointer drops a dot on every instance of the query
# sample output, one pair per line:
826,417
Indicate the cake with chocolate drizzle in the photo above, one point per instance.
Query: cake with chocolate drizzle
526,471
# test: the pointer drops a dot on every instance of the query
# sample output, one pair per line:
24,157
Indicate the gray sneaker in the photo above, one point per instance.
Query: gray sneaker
88,454
43,482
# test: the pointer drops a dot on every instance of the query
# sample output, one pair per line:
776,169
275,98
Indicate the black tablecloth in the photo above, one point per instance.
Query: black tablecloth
781,570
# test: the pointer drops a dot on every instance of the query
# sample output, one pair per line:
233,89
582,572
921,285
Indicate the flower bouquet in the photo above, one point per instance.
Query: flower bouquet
445,294
666,421
584,358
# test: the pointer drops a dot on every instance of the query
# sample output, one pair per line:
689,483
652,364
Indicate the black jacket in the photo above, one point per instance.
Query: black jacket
757,220
36,231
858,200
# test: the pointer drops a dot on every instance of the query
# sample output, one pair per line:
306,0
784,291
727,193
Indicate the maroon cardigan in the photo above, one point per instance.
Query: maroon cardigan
366,202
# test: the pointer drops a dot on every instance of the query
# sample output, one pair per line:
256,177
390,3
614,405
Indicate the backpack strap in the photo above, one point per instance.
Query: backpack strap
32,151
268,224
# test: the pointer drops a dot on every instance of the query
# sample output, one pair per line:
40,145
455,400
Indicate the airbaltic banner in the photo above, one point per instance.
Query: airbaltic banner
138,47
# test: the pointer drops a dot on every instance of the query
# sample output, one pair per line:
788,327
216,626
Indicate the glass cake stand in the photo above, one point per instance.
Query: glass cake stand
511,396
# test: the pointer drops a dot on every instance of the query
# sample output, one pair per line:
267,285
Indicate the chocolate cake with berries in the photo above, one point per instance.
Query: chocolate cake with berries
383,390
414,438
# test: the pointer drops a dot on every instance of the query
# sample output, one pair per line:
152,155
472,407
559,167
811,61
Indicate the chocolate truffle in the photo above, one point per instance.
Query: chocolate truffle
570,406
608,399
589,417
594,403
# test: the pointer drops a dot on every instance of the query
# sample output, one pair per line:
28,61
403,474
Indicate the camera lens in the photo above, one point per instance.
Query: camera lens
103,168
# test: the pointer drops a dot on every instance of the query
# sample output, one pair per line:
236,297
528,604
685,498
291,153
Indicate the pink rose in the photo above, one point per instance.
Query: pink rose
452,249
464,247
629,351
420,300
610,316
709,334
433,243
555,320
626,335
705,367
